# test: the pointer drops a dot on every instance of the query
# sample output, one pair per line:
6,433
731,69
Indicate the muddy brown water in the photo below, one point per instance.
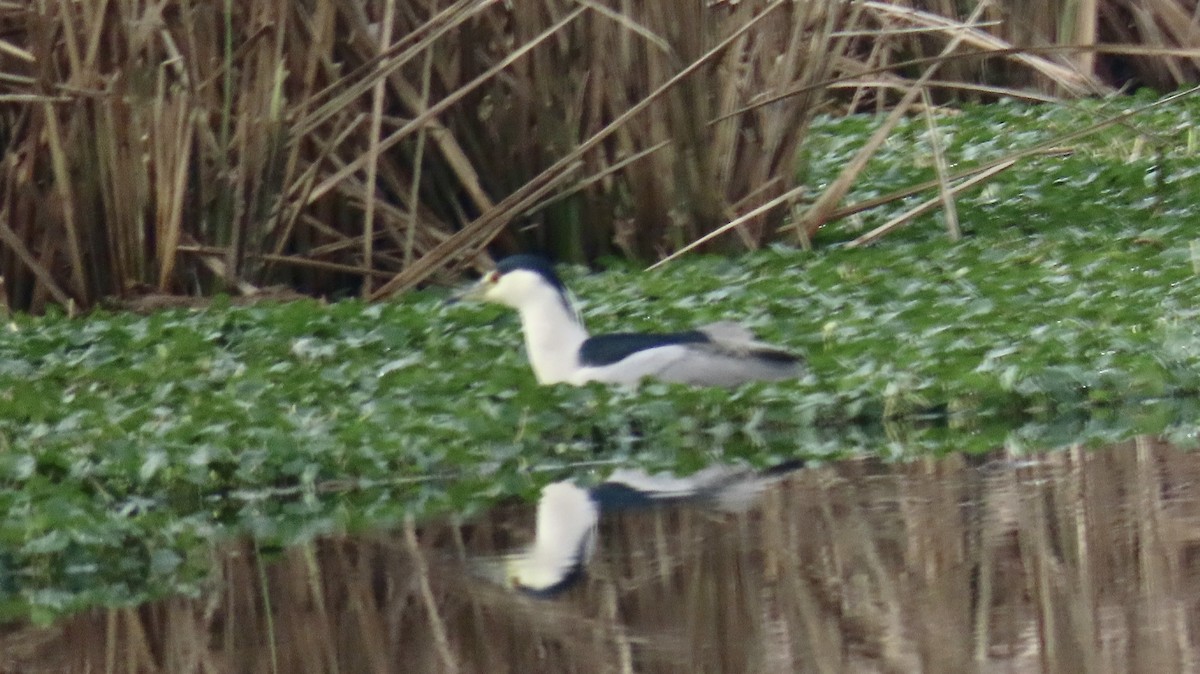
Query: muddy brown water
1075,560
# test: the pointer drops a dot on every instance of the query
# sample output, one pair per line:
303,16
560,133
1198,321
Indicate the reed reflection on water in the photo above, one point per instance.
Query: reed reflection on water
1068,561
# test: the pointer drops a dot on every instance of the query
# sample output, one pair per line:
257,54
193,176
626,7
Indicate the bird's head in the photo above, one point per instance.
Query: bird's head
564,540
518,281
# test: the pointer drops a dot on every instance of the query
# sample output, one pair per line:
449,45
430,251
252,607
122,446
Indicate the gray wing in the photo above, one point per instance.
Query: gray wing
732,356
722,487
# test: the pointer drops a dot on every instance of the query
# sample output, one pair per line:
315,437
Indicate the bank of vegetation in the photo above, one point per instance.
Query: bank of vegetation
1065,313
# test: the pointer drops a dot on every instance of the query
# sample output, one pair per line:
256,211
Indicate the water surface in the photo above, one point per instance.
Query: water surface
1066,561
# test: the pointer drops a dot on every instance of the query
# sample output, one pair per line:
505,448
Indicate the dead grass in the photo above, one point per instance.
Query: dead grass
197,147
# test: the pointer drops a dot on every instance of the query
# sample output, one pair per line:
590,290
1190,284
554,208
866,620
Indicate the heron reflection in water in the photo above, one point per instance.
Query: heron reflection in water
568,515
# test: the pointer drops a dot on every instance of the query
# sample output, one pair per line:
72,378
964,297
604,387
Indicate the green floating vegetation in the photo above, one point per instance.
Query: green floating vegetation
1067,313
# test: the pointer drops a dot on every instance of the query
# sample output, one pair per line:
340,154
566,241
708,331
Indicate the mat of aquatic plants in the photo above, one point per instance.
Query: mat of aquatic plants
1067,313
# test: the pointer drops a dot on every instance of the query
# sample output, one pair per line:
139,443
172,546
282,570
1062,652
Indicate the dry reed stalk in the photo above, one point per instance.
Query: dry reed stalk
110,643
418,155
448,661
17,245
1159,647
860,85
215,253
373,150
1068,78
344,91
1088,599
813,33
855,70
1082,32
991,532
173,160
125,189
820,640
881,614
268,130
946,193
480,232
940,164
818,214
63,183
785,198
320,31
1179,22
264,591
868,204
596,178
420,120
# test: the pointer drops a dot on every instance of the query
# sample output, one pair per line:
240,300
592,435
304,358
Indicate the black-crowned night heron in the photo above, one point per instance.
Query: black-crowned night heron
567,515
560,349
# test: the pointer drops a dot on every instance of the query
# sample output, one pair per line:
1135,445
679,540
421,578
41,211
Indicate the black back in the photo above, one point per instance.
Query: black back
617,496
609,349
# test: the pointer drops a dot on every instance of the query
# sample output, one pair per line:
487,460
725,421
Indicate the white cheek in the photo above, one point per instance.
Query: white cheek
501,293
507,290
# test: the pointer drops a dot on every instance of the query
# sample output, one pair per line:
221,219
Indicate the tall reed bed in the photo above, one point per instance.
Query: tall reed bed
367,146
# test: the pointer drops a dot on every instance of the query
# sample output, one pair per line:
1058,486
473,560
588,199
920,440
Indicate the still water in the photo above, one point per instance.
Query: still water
1075,560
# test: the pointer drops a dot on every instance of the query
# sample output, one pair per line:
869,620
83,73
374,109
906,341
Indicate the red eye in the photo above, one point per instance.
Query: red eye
492,277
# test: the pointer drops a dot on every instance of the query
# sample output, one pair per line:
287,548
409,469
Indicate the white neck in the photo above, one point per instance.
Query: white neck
553,335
